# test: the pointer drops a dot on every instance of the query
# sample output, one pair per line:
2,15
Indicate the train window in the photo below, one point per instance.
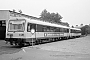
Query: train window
67,30
78,31
16,25
51,29
61,30
28,27
73,31
39,28
57,30
31,26
54,29
46,28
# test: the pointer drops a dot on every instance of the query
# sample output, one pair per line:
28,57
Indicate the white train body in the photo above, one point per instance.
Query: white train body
20,29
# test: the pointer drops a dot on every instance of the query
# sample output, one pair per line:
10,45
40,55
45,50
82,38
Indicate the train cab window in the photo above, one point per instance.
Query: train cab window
16,25
65,30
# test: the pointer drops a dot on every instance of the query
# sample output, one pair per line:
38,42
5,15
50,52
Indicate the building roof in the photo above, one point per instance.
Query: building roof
28,16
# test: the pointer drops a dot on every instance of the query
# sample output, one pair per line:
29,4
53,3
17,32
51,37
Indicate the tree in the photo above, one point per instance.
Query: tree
52,17
44,14
85,30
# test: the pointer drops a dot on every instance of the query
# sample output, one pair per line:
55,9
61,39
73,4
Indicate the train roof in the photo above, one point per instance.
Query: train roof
46,23
75,28
41,22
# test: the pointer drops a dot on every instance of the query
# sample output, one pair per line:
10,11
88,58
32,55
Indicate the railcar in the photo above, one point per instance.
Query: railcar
21,31
74,32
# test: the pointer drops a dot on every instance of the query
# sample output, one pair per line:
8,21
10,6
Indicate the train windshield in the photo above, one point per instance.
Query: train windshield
16,25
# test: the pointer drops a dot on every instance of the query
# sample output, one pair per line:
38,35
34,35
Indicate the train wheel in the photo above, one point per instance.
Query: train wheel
59,38
11,43
53,39
66,38
36,42
29,43
21,44
40,41
16,44
49,39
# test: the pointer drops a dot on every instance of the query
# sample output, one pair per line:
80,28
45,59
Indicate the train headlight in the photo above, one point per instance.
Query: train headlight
32,31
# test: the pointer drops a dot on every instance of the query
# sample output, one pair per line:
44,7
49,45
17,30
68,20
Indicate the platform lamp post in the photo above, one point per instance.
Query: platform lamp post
32,31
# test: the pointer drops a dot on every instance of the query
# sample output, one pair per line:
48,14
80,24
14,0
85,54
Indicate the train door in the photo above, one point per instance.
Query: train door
2,29
31,30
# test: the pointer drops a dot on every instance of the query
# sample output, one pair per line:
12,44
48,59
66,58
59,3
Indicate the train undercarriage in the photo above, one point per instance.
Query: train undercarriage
34,41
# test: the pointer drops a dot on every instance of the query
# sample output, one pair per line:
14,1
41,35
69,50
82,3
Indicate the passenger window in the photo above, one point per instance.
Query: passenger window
28,27
39,28
67,30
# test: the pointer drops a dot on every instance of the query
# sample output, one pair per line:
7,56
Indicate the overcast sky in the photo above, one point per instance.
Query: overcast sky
74,12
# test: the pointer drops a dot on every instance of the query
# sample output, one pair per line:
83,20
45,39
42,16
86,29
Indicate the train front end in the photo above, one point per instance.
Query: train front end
15,30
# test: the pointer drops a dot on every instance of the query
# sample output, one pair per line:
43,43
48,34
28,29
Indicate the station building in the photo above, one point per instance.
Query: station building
5,16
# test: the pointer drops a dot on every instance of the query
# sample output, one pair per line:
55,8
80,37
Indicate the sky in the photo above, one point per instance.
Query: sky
75,12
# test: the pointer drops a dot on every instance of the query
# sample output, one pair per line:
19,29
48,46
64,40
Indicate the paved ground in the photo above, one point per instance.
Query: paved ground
8,49
78,45
73,49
